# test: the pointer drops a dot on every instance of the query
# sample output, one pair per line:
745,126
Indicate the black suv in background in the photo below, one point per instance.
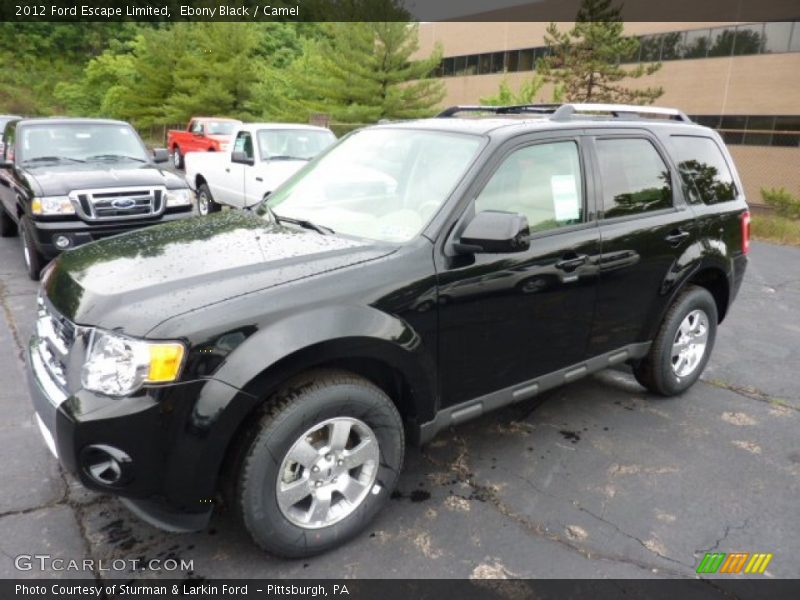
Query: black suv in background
414,276
65,182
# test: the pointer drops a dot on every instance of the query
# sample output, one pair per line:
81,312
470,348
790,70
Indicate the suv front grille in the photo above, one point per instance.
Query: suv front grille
56,337
119,203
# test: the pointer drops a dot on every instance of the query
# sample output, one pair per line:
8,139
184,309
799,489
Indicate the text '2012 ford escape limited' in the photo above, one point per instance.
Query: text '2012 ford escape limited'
413,276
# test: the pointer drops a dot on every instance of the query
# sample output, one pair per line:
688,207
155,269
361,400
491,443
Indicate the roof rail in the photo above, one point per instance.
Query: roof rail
513,109
567,111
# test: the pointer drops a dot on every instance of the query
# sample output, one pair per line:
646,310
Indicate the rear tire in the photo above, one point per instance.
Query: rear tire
8,228
205,201
33,259
683,345
320,463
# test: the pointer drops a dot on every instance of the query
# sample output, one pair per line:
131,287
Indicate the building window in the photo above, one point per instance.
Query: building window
749,39
776,37
498,62
484,63
526,60
696,44
794,44
722,41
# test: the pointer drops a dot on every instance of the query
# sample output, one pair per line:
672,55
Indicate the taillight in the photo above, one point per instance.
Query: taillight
745,232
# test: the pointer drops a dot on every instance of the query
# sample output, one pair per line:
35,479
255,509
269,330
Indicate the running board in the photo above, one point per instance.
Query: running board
470,409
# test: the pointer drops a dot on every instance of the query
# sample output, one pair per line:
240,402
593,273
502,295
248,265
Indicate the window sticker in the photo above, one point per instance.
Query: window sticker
565,198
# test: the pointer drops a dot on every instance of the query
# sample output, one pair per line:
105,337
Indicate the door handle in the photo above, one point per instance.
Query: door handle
676,236
572,263
228,170
259,179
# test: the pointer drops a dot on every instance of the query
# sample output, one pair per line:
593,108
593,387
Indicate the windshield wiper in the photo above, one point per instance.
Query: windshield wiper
115,157
51,159
305,224
287,157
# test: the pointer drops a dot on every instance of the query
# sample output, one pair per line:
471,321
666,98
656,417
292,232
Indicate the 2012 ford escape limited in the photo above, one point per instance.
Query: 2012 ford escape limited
413,276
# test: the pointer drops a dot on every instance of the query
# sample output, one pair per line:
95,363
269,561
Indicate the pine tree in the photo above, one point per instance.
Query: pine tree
527,93
585,61
361,72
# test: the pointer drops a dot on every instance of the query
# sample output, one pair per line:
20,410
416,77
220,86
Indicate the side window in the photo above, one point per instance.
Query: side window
634,177
9,139
244,143
703,169
542,182
197,127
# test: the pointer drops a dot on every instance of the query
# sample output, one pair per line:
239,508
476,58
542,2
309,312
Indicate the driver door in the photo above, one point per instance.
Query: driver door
508,318
236,172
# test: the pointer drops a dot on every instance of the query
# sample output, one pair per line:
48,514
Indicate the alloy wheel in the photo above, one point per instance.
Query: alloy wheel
689,345
328,473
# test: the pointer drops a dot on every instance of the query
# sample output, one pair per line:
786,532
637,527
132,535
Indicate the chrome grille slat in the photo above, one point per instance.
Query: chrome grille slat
118,204
56,337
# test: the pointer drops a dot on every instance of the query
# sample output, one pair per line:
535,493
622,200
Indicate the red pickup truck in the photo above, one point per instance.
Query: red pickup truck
202,134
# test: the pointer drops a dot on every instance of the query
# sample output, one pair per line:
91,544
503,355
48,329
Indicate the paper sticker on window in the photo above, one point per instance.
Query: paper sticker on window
565,198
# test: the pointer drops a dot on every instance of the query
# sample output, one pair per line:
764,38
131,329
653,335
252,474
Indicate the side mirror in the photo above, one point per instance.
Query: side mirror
494,231
240,157
160,155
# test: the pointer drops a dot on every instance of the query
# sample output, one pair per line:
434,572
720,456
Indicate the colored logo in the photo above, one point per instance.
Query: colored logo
734,562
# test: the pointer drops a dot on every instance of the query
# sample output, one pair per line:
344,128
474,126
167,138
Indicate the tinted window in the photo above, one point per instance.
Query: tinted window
794,44
634,177
703,169
696,44
542,182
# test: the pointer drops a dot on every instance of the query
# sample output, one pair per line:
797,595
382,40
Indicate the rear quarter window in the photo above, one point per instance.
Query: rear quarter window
706,175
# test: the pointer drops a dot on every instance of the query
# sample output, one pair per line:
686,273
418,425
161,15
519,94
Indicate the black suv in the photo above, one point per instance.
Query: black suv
412,277
66,182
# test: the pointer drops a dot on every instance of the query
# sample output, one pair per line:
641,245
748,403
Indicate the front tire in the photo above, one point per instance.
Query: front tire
177,158
683,345
323,460
205,201
7,226
33,259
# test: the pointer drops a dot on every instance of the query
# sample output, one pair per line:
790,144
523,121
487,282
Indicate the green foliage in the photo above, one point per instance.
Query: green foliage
585,61
362,72
162,74
785,204
505,96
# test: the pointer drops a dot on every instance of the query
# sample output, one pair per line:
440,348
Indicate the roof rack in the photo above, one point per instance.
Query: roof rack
513,109
565,112
618,111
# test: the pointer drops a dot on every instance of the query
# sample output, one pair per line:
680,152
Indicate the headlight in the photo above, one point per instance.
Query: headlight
179,197
118,365
52,205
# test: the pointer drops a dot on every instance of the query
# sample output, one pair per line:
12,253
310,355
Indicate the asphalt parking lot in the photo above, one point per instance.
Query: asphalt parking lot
596,479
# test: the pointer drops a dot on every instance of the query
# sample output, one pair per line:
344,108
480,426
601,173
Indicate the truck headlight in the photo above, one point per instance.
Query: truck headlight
52,205
179,197
118,365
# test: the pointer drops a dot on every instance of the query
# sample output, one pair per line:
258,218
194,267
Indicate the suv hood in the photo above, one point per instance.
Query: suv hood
134,281
60,180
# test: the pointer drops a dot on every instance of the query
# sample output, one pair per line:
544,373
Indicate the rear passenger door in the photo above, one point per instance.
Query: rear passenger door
645,229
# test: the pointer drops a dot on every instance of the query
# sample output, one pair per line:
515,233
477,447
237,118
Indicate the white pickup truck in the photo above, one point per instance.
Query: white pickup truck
261,157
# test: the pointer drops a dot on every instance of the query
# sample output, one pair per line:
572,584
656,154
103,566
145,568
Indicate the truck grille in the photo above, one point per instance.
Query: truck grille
119,203
56,337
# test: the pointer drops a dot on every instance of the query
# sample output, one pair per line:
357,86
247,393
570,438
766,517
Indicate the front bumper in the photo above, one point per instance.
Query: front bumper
44,232
138,428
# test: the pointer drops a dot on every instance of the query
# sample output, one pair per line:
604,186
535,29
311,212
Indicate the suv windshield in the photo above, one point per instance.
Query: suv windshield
287,144
382,184
79,142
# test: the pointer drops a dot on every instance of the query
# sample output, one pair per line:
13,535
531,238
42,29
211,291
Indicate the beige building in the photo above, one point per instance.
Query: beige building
740,78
